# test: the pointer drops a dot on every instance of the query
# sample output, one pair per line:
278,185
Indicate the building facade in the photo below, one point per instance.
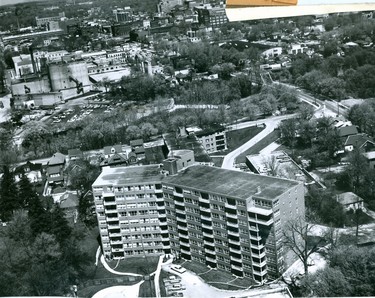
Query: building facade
211,16
225,219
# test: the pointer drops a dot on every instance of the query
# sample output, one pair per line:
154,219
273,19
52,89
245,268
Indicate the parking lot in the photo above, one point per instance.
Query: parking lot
72,113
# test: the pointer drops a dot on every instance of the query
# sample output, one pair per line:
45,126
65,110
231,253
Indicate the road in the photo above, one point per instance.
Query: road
271,124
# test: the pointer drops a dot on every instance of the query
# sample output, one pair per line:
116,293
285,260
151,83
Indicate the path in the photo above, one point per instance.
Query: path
270,148
106,266
271,124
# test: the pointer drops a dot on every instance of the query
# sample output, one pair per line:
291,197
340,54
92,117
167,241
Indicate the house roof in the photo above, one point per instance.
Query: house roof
56,159
348,198
357,140
108,149
369,155
54,170
69,200
347,131
28,165
117,158
138,142
74,152
139,150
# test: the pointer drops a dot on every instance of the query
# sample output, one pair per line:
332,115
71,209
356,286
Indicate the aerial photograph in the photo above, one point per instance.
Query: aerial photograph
153,148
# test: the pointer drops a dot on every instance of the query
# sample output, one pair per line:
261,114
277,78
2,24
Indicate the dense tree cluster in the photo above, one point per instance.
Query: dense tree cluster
40,253
350,273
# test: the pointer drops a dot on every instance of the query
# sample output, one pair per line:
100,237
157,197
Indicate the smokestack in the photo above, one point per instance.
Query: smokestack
32,59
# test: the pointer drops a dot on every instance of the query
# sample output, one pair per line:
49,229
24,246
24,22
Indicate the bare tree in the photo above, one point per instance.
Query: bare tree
295,236
272,165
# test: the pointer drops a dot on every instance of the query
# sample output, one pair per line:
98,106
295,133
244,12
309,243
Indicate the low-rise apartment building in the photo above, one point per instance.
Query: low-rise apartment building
225,219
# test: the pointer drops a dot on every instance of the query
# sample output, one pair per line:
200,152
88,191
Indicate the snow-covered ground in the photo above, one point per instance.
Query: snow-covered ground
119,292
316,262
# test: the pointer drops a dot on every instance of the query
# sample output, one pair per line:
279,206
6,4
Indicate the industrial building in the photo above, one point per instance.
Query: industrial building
225,219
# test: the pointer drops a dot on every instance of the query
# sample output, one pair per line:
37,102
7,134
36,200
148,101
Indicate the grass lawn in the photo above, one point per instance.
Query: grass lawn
217,276
147,288
163,274
137,265
195,267
272,137
243,282
218,161
236,138
225,287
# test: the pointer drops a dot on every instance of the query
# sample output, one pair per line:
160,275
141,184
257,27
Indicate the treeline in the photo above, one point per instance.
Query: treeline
41,254
350,272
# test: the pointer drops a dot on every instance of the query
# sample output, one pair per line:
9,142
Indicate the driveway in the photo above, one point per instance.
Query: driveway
196,287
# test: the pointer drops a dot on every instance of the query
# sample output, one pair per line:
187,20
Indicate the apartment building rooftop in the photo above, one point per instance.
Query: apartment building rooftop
231,183
129,175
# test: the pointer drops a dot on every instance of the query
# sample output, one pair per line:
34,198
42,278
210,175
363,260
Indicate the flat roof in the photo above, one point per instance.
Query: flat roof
230,183
129,175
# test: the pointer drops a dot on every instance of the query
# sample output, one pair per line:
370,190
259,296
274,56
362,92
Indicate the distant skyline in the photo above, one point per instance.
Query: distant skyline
9,2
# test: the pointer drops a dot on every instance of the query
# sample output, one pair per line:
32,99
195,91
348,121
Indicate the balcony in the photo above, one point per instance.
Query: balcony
236,259
206,218
203,200
230,215
161,199
237,268
177,194
208,235
261,211
208,243
179,203
253,228
237,234
235,250
110,219
261,221
230,206
183,236
211,260
166,247
116,242
259,254
257,246
232,224
256,238
208,210
235,242
209,251
182,228
184,251
111,227
206,226
260,273
109,203
114,234
179,219
101,217
262,264
160,207
107,211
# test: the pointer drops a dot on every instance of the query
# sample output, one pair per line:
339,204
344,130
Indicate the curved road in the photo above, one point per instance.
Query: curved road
271,124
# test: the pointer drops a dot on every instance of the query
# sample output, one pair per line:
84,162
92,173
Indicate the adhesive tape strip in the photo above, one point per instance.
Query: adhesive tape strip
261,2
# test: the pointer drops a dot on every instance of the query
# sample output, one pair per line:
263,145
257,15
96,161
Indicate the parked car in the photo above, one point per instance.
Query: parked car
178,268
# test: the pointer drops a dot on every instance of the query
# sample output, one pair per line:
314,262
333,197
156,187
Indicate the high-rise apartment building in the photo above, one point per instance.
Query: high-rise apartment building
226,219
209,15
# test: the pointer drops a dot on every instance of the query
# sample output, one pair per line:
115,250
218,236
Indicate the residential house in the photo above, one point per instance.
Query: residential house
138,148
350,200
57,193
74,154
55,169
359,141
119,159
111,150
69,204
370,156
346,131
33,171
